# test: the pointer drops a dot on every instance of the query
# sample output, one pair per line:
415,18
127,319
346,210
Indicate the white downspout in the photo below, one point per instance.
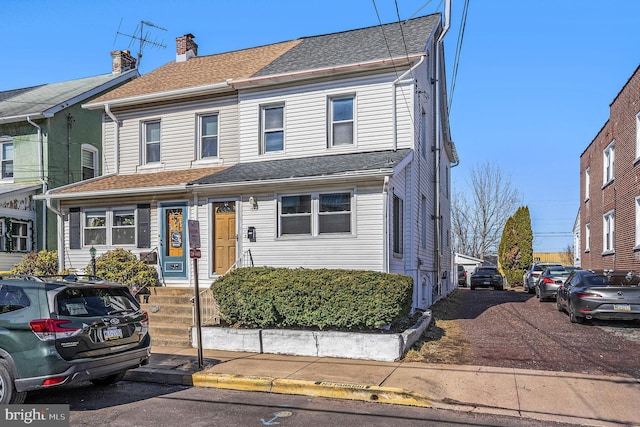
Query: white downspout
116,144
41,179
437,213
394,102
385,224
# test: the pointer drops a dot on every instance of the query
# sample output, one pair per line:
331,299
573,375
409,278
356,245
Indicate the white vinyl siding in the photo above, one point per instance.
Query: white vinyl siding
360,249
179,134
306,118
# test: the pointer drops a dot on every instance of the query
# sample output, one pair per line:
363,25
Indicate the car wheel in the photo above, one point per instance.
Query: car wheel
108,380
572,315
8,393
559,306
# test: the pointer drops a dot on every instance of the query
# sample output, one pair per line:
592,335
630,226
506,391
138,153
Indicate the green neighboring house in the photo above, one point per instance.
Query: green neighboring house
48,140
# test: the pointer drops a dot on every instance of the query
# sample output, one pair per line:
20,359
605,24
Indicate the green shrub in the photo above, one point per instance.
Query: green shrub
41,263
302,298
123,266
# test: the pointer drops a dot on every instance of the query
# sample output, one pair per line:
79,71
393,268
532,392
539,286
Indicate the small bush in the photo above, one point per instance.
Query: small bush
41,263
123,266
302,298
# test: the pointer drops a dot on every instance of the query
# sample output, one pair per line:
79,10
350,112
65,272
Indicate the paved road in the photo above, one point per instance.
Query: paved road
145,404
514,329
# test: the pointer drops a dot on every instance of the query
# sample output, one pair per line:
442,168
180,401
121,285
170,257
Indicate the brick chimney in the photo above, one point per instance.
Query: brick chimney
122,61
186,48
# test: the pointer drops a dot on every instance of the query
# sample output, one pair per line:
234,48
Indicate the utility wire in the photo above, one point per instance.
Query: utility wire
463,24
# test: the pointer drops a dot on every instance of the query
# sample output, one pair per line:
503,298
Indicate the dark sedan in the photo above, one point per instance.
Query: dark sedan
549,282
604,294
486,277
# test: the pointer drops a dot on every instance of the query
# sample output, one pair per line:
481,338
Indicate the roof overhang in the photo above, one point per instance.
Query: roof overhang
24,117
238,185
323,72
11,190
101,194
162,96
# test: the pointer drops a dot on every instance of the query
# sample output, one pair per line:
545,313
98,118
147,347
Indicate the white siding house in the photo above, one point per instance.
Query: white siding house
313,153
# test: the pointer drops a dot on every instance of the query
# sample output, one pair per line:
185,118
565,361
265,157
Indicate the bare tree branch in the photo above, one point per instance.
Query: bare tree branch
479,215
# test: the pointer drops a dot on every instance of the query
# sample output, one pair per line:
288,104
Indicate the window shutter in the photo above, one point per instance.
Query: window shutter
74,228
144,226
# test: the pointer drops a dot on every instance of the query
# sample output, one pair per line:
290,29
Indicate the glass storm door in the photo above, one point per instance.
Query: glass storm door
174,248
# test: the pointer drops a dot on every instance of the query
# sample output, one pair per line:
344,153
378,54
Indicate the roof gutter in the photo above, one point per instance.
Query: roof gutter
298,75
381,173
116,138
113,193
394,101
171,94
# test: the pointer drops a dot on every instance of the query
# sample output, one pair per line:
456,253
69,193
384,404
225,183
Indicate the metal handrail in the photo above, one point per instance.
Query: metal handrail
209,308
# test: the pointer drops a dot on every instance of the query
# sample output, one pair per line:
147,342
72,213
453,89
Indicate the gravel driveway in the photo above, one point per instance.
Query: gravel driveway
513,329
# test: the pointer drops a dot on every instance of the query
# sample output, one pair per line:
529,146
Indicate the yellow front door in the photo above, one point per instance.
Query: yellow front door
224,236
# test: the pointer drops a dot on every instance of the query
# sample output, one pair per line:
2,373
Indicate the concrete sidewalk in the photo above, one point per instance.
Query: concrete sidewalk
541,395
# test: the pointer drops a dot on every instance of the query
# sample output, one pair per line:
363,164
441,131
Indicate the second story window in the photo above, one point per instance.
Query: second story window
341,121
208,138
587,183
151,142
587,237
89,161
272,128
6,151
608,168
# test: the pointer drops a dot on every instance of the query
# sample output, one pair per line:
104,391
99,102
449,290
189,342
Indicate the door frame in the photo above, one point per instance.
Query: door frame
162,207
211,221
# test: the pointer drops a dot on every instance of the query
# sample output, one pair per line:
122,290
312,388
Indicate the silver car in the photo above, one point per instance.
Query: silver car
549,282
604,294
531,276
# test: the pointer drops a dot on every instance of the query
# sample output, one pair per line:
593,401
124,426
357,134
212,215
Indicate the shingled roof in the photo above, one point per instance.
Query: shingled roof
44,100
337,164
397,40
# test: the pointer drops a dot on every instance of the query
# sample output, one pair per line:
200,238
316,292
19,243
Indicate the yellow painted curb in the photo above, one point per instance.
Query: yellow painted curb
365,393
232,382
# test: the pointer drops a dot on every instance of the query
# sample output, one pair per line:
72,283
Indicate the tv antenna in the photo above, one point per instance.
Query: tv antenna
143,38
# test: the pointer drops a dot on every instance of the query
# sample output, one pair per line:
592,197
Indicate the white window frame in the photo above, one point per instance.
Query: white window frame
316,213
93,151
608,163
8,234
202,137
145,143
638,136
587,237
6,140
333,122
266,131
109,227
637,238
587,183
398,226
608,232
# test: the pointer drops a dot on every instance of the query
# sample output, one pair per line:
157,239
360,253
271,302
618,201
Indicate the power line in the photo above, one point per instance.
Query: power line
463,24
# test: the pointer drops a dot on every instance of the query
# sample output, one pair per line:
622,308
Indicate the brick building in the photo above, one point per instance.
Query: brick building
609,187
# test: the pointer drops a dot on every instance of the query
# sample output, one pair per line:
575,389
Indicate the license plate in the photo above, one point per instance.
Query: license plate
486,282
112,334
621,307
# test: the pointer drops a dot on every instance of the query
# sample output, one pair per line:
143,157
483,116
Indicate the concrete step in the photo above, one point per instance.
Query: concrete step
169,342
169,331
172,290
167,309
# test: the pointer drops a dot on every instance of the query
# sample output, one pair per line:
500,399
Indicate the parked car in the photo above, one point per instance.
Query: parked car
66,330
462,276
487,277
531,276
549,282
608,295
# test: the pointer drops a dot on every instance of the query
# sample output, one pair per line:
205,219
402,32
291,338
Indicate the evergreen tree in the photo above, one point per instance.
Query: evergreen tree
515,252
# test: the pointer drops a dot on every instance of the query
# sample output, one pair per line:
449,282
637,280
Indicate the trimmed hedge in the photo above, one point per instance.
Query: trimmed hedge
267,297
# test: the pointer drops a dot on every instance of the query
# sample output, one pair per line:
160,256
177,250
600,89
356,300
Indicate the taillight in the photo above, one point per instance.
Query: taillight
588,295
145,318
53,381
548,281
51,329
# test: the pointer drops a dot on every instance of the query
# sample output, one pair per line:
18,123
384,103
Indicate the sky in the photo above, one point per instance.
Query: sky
533,86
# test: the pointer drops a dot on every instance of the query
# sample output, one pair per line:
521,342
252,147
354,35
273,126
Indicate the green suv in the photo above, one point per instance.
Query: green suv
56,331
